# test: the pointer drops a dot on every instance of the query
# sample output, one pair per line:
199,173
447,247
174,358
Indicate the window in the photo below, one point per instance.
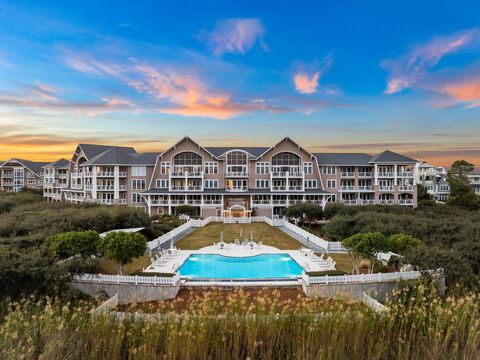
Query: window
285,159
262,168
310,184
139,171
187,158
262,184
237,158
308,168
162,183
211,184
211,167
137,198
139,184
329,170
31,181
444,187
331,184
164,167
331,198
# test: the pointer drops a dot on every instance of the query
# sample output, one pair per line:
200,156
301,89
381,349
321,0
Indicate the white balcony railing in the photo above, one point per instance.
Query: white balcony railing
350,202
261,202
122,174
237,174
279,202
365,174
237,189
386,202
348,188
405,174
405,202
386,188
295,188
105,174
279,188
347,174
365,188
386,174
105,187
405,188
159,202
367,202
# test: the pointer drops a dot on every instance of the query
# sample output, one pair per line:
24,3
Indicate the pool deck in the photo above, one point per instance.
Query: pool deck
171,260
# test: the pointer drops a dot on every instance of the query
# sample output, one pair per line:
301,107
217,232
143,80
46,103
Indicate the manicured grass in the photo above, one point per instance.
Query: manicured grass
209,234
344,262
137,265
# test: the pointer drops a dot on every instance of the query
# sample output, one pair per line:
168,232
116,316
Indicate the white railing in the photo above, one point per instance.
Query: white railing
336,246
405,188
349,202
235,189
386,174
236,174
127,279
367,202
405,202
363,278
347,174
405,174
365,174
365,188
303,233
348,188
386,188
386,202
105,174
122,174
104,187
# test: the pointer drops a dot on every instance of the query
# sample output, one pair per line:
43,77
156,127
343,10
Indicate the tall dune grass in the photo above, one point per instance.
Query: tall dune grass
419,325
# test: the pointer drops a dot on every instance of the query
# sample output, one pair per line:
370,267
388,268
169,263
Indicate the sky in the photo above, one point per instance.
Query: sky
349,76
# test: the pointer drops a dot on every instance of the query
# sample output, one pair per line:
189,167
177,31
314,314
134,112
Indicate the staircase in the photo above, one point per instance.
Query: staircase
303,240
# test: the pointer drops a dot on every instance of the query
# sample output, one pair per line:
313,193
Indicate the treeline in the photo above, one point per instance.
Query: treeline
451,234
26,221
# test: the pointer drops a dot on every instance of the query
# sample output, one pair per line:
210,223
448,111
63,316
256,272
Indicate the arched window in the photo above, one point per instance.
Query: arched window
187,162
286,162
237,163
187,158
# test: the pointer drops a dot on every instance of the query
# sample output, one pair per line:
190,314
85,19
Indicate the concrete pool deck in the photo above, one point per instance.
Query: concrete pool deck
171,260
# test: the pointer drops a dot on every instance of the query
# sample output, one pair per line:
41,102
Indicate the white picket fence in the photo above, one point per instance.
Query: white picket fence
373,304
303,233
128,279
363,278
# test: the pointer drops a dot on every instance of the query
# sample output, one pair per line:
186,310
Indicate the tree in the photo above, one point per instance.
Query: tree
306,213
461,193
365,246
402,243
186,210
423,197
65,245
122,247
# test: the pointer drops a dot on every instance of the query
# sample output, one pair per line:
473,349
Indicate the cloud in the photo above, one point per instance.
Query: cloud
235,36
306,84
463,90
306,76
173,91
410,69
43,91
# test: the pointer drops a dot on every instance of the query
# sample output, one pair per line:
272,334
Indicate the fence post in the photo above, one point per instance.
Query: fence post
136,279
155,280
345,278
326,279
118,278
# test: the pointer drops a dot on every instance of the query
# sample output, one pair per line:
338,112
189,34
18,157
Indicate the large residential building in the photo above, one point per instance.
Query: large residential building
224,181
237,181
16,174
475,182
434,179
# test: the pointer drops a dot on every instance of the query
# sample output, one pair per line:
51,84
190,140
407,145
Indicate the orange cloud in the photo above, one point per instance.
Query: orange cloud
305,83
467,90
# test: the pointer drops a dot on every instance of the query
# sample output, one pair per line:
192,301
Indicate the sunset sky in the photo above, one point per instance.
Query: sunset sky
336,76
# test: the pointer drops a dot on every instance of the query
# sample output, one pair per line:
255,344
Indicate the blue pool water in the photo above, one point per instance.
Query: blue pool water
265,266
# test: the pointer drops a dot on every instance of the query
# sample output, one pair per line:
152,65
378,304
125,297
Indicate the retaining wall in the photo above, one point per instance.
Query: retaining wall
129,293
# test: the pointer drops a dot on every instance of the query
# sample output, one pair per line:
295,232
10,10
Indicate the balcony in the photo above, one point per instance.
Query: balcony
365,174
386,174
347,174
122,187
350,202
405,202
122,174
386,188
283,174
194,188
405,188
261,202
365,188
295,202
367,202
177,202
105,174
212,202
76,175
7,175
279,188
348,188
236,174
386,202
104,187
405,174
159,202
237,189
77,186
279,202
185,173
194,202
87,187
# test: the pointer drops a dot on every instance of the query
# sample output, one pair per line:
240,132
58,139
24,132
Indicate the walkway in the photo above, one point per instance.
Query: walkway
303,240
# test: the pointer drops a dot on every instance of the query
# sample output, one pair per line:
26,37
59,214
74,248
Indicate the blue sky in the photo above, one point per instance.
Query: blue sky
335,76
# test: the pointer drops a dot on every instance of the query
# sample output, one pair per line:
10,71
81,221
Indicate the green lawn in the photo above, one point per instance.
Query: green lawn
209,234
137,265
344,262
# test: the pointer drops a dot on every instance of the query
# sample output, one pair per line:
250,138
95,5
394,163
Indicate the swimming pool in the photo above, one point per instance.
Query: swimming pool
264,266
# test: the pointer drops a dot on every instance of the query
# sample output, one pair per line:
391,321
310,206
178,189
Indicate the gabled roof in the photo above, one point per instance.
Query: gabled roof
358,159
61,164
122,156
255,151
92,150
34,166
388,156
